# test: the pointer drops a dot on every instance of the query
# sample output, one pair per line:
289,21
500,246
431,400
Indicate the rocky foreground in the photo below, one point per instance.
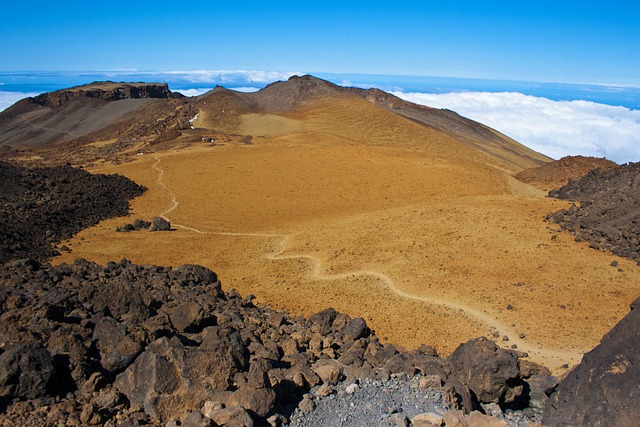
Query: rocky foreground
92,345
127,345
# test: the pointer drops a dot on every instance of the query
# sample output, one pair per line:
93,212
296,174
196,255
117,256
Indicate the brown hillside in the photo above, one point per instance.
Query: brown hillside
220,109
99,111
342,202
553,175
113,120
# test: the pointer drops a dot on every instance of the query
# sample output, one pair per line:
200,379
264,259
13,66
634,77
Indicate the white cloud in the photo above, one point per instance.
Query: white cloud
7,99
245,89
193,92
200,91
230,76
349,83
554,128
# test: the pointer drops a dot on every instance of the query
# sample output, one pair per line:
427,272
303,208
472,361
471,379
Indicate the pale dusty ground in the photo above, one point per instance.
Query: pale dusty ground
412,230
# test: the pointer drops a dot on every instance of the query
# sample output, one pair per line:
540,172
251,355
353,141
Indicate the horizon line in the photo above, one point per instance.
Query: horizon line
275,74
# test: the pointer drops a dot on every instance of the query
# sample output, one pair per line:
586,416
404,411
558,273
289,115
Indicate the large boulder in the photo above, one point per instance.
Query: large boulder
259,401
170,378
489,372
117,348
117,298
256,395
321,322
160,224
604,389
26,371
355,329
195,275
189,317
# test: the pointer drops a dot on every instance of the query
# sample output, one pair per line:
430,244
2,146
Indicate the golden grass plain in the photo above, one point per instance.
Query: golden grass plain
346,205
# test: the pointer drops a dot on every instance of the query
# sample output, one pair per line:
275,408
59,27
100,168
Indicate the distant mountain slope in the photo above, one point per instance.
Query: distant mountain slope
135,114
100,110
287,96
555,174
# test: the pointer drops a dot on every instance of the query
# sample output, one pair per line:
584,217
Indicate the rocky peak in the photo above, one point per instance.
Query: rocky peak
285,96
107,91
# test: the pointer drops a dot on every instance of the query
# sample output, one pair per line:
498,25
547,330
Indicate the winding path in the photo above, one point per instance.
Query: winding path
317,273
174,200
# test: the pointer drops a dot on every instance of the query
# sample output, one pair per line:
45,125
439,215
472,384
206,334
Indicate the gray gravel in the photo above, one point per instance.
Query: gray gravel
373,403
381,403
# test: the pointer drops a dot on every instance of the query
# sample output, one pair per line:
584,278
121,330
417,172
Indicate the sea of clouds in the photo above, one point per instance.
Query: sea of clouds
203,90
7,99
225,77
554,128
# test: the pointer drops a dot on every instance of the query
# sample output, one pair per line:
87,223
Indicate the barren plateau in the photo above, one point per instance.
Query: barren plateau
340,203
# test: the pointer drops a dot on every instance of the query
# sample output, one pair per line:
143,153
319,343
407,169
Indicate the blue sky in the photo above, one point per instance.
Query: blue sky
492,61
568,41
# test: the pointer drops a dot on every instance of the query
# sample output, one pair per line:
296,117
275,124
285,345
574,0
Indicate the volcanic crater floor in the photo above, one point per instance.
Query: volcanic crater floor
425,248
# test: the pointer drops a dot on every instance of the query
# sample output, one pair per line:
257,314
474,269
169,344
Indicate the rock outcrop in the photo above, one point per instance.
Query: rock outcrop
26,371
491,374
107,91
156,224
608,213
603,389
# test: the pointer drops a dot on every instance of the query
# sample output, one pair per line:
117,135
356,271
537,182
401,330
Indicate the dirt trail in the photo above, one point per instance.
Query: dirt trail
174,200
557,357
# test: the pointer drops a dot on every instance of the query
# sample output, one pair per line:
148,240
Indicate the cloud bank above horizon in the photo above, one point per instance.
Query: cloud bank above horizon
235,77
7,99
201,91
554,128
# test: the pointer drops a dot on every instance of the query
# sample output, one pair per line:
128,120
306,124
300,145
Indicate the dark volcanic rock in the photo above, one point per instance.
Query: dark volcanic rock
603,390
40,207
170,378
356,328
608,214
321,322
163,341
27,371
160,224
117,348
489,372
125,228
138,224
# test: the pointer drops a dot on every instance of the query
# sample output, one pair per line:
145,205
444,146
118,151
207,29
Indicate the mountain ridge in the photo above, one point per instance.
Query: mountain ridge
283,97
135,114
89,113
